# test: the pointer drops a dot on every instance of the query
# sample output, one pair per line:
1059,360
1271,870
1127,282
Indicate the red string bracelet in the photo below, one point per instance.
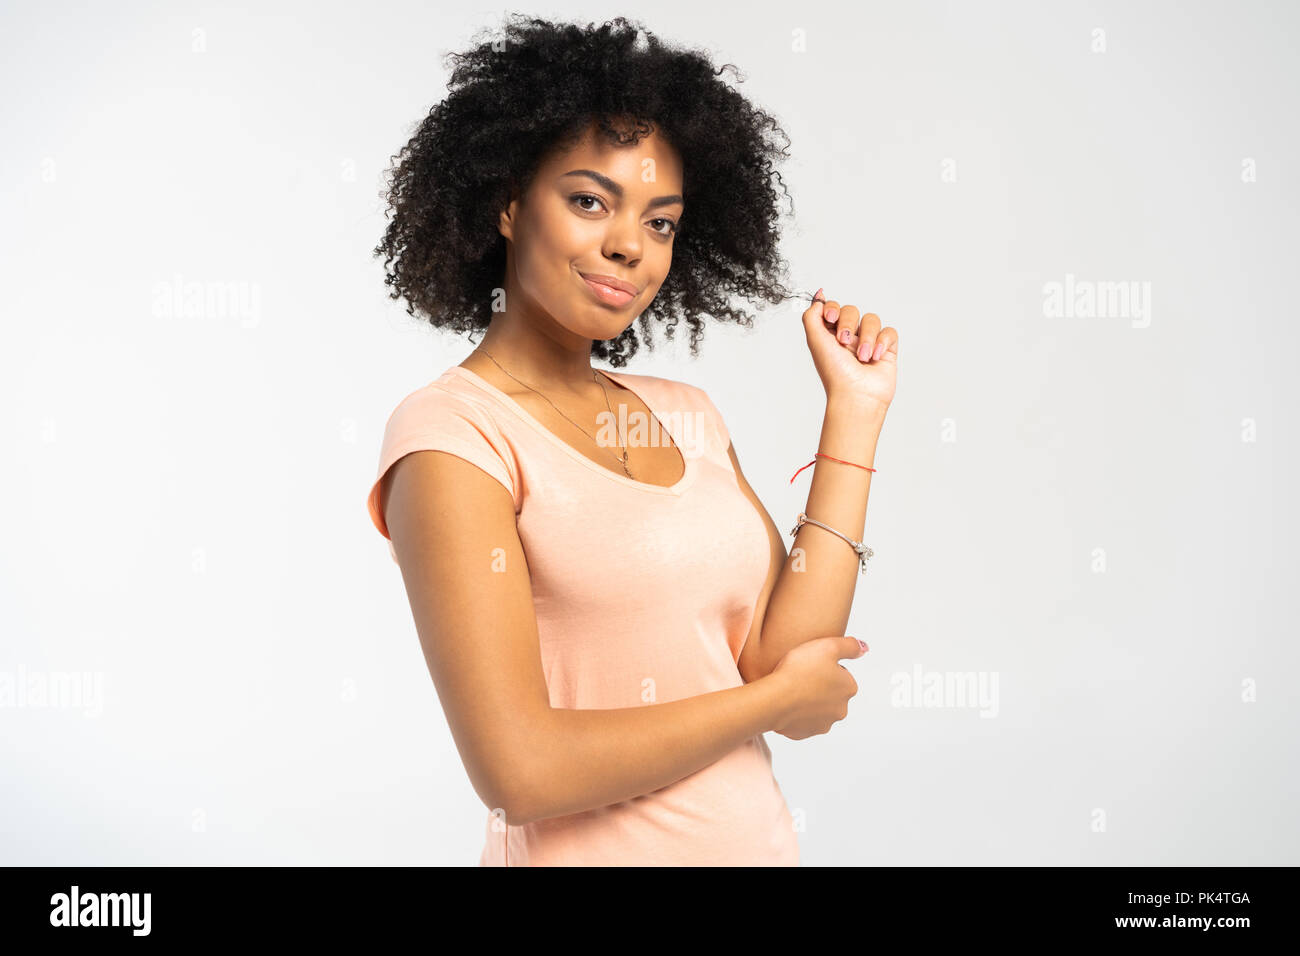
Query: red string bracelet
820,455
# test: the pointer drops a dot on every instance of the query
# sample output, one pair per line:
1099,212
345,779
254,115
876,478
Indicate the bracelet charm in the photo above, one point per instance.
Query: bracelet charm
863,552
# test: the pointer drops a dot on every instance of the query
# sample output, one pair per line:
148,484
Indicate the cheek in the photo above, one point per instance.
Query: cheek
540,259
662,263
561,243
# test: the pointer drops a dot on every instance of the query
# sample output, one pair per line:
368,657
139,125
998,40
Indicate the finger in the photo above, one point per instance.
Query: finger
816,305
816,309
846,326
850,647
815,321
867,333
886,345
831,312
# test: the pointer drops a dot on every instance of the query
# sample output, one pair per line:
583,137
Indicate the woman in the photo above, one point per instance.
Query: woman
608,613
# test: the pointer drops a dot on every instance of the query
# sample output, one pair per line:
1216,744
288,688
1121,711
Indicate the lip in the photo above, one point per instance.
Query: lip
613,282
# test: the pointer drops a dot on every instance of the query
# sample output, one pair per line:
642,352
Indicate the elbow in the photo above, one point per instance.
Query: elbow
508,798
749,672
516,792
753,664
515,803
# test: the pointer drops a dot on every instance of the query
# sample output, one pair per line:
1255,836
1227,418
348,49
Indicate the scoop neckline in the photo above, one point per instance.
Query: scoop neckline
675,489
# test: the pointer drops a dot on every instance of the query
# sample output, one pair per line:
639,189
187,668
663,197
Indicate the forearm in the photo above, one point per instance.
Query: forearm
583,759
813,593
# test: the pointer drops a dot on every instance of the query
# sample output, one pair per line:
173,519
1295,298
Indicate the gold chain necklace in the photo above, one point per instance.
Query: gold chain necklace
623,444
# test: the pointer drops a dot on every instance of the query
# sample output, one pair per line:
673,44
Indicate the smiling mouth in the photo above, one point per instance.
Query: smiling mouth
607,294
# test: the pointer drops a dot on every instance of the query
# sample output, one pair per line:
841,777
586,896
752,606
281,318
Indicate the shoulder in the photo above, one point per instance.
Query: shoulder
667,390
675,395
441,417
444,402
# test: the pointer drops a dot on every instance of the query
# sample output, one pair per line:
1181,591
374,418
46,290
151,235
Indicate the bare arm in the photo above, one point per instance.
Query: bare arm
454,533
813,592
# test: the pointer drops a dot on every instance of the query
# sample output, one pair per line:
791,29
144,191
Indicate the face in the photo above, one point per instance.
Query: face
595,213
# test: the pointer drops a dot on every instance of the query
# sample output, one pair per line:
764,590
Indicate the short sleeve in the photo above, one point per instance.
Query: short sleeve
720,426
433,419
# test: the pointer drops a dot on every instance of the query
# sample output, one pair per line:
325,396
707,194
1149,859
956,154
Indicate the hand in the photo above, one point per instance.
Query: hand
815,685
845,346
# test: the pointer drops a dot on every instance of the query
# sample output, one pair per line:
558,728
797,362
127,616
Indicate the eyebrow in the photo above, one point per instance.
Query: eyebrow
617,190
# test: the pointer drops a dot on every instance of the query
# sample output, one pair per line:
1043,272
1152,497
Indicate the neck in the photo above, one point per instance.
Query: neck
539,353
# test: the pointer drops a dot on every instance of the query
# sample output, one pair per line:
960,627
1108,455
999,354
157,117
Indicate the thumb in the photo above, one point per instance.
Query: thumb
814,317
852,647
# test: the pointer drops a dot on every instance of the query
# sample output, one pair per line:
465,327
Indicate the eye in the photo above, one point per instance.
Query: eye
579,197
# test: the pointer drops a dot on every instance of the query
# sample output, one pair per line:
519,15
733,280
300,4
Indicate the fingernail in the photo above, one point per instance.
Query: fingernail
880,350
864,646
833,313
845,335
817,295
863,354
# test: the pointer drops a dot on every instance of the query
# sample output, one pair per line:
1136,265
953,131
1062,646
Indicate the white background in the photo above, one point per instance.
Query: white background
184,494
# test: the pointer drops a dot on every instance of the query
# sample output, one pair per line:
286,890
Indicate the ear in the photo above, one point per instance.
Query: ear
506,221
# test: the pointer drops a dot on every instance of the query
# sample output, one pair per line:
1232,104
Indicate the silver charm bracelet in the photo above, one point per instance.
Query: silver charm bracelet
862,550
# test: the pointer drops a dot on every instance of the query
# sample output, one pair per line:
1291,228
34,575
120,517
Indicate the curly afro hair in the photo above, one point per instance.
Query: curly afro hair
541,85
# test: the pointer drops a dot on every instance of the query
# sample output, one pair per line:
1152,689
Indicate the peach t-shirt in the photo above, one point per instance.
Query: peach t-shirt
643,594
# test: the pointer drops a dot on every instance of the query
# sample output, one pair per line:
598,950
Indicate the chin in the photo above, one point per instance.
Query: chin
597,327
607,335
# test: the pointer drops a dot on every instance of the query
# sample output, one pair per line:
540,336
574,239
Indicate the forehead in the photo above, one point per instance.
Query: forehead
630,165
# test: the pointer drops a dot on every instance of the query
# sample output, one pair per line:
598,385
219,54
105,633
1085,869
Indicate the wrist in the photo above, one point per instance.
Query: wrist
850,431
857,407
776,699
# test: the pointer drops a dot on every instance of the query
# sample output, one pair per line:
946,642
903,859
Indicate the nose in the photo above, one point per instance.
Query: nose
623,240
